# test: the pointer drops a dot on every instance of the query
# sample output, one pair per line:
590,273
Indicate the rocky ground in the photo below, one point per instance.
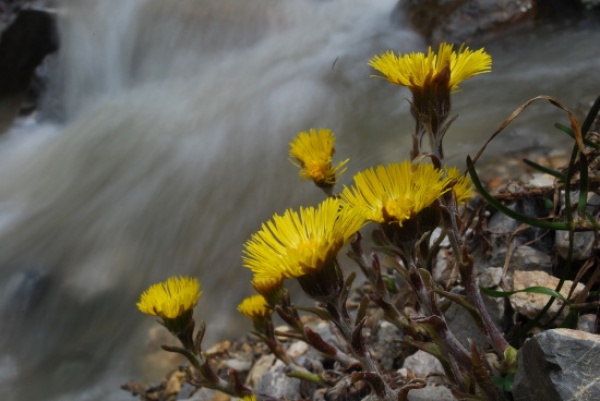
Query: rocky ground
554,363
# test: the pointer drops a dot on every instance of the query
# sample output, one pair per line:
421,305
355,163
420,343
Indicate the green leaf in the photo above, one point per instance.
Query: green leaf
583,185
545,170
533,290
589,119
569,132
505,383
552,225
571,320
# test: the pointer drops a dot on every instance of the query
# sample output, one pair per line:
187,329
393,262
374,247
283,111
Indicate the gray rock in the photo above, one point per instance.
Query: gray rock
490,277
559,365
422,364
388,347
501,228
589,4
587,323
583,243
528,258
462,325
277,384
460,20
430,393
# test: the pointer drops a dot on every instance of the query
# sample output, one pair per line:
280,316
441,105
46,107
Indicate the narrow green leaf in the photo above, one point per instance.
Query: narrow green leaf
568,131
571,320
591,220
565,129
552,225
545,170
533,290
583,185
589,119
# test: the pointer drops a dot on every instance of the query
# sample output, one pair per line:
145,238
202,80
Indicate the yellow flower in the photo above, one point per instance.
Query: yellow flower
419,71
396,192
267,286
172,298
248,398
255,307
296,244
463,187
314,152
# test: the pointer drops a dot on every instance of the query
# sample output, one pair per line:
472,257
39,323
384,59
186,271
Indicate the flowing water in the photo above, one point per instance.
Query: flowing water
163,145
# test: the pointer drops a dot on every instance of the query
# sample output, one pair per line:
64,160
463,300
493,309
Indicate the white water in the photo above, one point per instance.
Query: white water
171,149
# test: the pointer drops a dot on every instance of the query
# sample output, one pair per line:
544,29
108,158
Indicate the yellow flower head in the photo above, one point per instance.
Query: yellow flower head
418,71
172,298
248,398
396,192
297,243
463,187
314,152
267,286
255,307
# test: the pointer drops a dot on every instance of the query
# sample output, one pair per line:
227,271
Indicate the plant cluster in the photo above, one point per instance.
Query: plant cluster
410,208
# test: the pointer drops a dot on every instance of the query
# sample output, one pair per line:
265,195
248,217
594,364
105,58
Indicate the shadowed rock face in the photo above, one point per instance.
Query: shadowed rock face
23,45
558,365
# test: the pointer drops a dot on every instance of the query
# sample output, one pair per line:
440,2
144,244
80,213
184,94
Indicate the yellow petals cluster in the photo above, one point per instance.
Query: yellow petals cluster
463,187
418,70
398,192
313,150
255,307
172,298
267,286
296,243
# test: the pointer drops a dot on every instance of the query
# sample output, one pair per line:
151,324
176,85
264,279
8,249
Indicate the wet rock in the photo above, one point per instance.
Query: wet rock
460,20
559,365
529,304
467,20
23,45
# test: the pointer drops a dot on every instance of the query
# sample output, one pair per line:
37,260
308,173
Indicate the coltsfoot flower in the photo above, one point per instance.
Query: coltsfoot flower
313,151
432,77
269,287
172,298
303,243
292,245
396,192
463,188
418,70
255,307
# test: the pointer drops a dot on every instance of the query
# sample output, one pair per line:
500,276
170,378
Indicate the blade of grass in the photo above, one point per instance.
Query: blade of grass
552,225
